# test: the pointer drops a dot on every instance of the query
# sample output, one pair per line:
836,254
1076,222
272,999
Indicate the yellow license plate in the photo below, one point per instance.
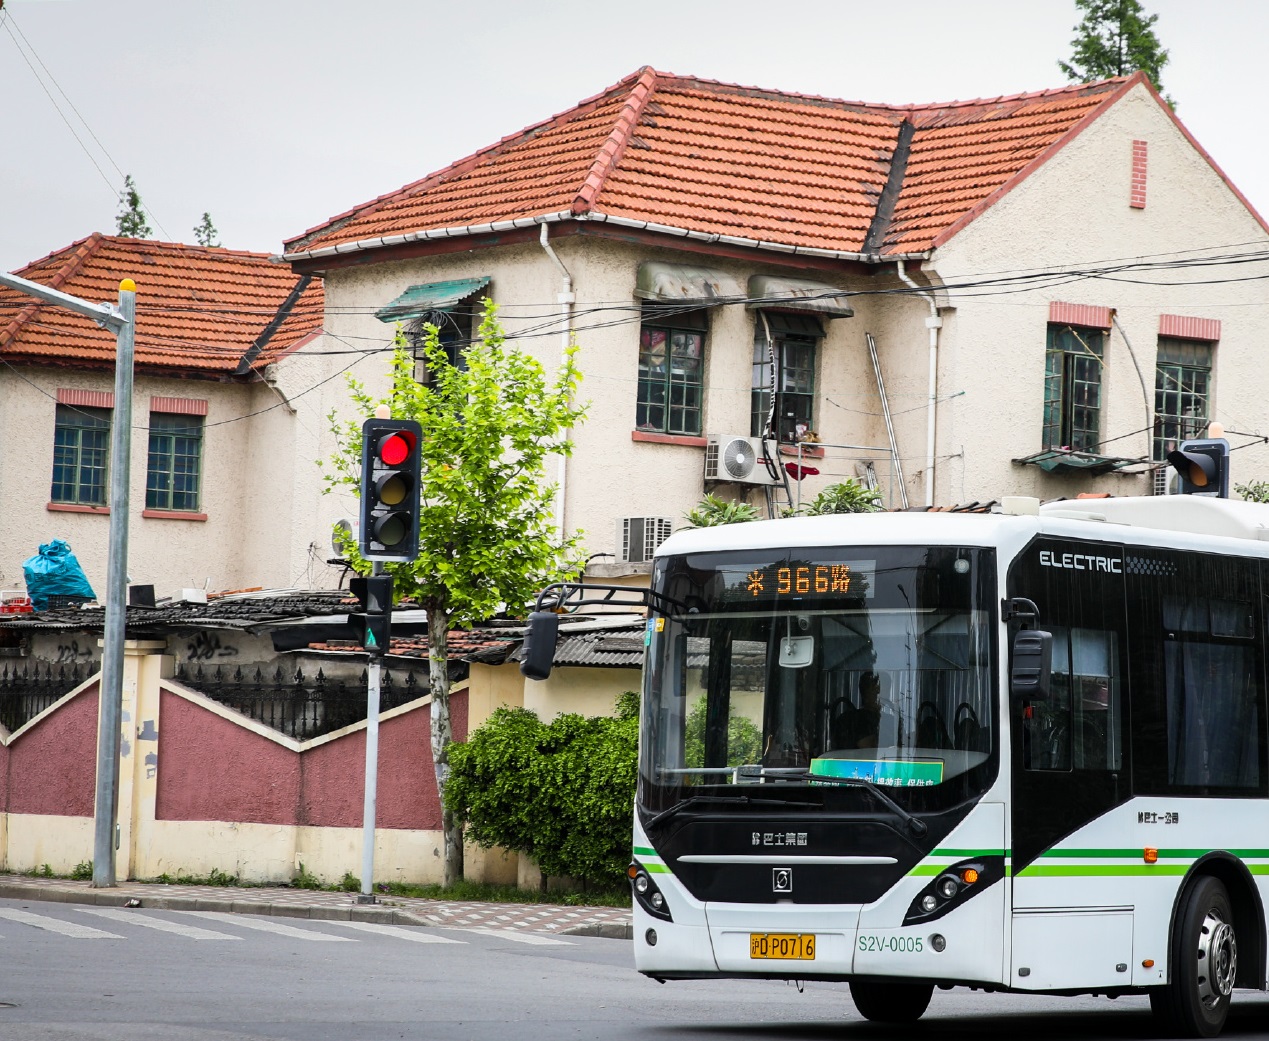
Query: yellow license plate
787,946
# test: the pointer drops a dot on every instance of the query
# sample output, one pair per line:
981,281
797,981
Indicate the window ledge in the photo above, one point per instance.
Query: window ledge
173,515
75,507
692,441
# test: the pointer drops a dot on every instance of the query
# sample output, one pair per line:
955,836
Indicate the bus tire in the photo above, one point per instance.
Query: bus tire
1204,964
891,1002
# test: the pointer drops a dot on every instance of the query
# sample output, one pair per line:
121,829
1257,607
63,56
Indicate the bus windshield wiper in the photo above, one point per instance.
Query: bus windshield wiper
745,800
917,826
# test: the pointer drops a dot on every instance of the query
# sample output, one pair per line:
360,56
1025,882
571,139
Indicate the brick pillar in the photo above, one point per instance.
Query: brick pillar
1137,195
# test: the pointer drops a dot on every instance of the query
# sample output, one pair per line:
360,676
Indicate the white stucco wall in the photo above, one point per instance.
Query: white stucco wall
1075,211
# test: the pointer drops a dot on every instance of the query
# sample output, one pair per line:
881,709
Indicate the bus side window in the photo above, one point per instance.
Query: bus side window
1080,726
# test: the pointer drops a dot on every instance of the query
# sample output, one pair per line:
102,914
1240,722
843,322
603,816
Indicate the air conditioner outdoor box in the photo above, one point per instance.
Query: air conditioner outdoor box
736,458
639,537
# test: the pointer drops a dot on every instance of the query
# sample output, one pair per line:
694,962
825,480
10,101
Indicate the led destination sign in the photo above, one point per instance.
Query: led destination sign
796,581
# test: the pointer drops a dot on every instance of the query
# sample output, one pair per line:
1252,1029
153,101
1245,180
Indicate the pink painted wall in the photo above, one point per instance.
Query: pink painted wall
213,769
52,768
210,768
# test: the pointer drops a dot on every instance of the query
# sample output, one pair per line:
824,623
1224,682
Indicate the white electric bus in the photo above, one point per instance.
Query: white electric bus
1018,752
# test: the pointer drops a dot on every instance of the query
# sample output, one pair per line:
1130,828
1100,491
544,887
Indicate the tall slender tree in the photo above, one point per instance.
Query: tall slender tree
131,220
1115,38
486,538
205,232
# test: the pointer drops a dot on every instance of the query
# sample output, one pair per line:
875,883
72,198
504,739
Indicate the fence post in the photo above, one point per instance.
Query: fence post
137,792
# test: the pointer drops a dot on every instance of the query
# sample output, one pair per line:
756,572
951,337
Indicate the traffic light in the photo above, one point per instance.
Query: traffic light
372,625
538,652
390,450
1203,466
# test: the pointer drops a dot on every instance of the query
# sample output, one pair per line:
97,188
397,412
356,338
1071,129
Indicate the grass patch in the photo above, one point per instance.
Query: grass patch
215,877
504,894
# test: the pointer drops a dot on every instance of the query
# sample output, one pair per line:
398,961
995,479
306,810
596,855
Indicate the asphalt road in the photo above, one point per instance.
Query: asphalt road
74,973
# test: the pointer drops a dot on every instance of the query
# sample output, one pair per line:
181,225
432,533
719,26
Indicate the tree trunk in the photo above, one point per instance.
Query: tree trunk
443,735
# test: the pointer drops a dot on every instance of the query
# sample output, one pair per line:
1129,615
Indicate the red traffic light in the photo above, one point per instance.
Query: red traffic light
395,449
390,486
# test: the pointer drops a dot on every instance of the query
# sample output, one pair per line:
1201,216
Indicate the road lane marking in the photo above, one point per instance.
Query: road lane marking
54,925
516,936
192,932
405,932
267,925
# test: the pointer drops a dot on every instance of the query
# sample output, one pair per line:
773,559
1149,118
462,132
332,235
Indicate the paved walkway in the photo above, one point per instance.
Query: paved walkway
287,902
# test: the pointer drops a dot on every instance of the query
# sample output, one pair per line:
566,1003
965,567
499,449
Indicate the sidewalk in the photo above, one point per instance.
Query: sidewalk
613,922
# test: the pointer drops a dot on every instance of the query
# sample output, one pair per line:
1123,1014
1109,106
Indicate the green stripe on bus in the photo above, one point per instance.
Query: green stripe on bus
643,851
1136,852
943,851
656,869
1064,870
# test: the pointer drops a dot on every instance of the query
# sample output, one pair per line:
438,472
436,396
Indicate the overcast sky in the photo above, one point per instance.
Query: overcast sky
274,115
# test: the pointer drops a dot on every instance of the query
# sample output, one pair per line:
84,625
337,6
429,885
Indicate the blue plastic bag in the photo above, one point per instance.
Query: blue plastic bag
54,572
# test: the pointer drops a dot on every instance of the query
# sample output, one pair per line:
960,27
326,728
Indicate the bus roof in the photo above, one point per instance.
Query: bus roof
1201,516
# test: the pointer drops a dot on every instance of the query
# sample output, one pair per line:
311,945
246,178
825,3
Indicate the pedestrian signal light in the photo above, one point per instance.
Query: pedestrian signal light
372,622
390,468
1203,466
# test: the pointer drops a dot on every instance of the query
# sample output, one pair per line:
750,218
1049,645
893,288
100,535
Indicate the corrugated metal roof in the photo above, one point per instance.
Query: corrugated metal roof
423,299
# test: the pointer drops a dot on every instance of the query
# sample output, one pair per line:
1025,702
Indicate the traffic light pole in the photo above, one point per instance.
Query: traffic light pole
367,895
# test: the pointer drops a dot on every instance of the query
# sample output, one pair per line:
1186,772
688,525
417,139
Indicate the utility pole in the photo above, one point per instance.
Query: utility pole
120,320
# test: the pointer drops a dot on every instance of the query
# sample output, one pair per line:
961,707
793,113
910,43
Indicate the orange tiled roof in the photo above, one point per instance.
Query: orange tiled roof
785,170
200,310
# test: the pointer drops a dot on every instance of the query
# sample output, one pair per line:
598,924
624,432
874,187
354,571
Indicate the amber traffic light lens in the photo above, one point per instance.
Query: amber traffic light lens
392,489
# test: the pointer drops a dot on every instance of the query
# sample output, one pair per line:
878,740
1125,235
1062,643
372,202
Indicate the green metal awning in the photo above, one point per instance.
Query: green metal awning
685,284
423,299
800,294
1059,461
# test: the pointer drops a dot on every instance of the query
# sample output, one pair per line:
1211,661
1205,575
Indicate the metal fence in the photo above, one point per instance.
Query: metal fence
297,705
28,689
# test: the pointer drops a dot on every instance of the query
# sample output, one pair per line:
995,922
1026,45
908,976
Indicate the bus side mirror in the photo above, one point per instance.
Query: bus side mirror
538,653
1032,665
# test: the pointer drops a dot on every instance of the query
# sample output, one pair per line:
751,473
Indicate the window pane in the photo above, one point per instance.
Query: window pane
1213,717
670,380
175,462
81,441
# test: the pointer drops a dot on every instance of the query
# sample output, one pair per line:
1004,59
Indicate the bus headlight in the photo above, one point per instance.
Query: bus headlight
954,884
646,893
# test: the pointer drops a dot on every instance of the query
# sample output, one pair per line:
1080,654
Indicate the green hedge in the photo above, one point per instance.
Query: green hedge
560,792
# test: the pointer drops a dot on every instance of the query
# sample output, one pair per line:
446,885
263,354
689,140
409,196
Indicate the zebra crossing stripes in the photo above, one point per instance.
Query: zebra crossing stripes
193,932
520,937
268,925
311,932
56,925
403,932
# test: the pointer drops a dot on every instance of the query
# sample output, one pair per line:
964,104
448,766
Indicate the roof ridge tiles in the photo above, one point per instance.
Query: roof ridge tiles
460,166
611,151
79,252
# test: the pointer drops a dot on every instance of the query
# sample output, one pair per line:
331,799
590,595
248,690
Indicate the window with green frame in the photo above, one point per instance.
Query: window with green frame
671,370
81,453
1182,392
794,345
174,471
454,331
1073,388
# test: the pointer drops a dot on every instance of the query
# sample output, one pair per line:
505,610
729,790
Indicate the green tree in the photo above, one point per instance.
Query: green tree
848,496
486,538
205,231
1115,38
712,510
560,792
131,220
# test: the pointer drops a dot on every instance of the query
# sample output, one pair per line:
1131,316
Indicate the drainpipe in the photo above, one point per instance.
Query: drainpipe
933,323
566,297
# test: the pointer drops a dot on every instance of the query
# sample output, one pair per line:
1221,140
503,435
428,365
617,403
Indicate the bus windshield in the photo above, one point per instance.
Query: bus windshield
827,667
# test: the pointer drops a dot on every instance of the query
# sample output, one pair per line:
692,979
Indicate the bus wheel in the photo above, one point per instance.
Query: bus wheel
1204,964
891,1002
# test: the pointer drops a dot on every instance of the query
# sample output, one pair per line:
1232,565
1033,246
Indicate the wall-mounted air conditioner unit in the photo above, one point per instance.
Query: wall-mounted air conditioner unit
737,459
1166,481
639,537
